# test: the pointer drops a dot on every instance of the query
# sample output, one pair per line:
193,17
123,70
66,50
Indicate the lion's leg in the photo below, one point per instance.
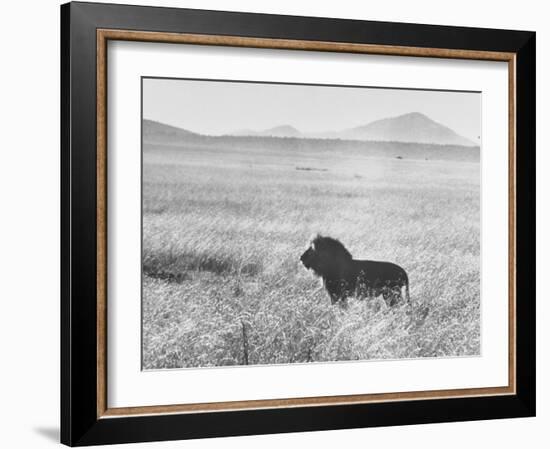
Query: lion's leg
398,293
386,294
392,295
368,292
364,292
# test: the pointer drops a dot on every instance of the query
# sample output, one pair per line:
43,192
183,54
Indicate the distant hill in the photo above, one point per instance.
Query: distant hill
412,127
276,131
161,133
159,136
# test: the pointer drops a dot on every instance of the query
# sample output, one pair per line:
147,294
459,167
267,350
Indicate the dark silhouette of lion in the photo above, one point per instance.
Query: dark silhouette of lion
345,277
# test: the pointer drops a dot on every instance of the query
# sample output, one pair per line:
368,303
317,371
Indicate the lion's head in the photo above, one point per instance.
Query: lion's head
325,256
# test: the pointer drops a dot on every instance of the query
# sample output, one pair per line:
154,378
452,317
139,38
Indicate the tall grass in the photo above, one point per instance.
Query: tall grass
223,232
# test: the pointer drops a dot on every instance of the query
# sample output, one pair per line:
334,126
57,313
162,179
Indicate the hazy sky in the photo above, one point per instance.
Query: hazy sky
220,107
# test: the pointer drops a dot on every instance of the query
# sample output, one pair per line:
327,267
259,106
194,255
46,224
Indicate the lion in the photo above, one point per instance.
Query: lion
344,277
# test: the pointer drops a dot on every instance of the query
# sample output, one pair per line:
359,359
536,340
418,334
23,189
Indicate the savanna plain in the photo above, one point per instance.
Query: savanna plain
225,221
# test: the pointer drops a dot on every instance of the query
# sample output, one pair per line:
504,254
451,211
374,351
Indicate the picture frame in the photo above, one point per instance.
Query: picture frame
86,30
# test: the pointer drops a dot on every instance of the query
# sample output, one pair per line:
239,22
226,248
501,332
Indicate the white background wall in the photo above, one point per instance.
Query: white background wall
29,225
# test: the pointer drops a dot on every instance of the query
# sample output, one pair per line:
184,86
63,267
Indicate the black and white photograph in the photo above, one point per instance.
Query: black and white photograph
292,223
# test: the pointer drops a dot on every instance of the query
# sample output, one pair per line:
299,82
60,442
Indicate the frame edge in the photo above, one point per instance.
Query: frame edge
526,223
65,359
77,428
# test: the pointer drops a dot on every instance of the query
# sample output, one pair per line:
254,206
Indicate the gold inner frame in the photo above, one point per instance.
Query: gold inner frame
104,35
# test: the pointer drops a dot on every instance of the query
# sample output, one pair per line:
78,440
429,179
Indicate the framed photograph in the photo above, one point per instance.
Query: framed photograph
281,224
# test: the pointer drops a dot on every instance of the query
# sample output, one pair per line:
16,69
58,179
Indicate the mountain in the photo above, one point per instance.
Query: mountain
412,127
282,131
161,133
276,131
160,137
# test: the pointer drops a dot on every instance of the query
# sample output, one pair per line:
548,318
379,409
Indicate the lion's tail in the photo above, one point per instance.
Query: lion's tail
406,282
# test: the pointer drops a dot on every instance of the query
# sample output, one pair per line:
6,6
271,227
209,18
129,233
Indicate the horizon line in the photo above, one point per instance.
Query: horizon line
316,134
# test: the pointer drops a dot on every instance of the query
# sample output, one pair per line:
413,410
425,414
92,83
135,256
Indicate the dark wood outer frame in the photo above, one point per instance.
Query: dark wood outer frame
85,27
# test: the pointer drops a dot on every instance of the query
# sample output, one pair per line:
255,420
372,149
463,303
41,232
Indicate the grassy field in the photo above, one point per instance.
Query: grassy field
223,229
